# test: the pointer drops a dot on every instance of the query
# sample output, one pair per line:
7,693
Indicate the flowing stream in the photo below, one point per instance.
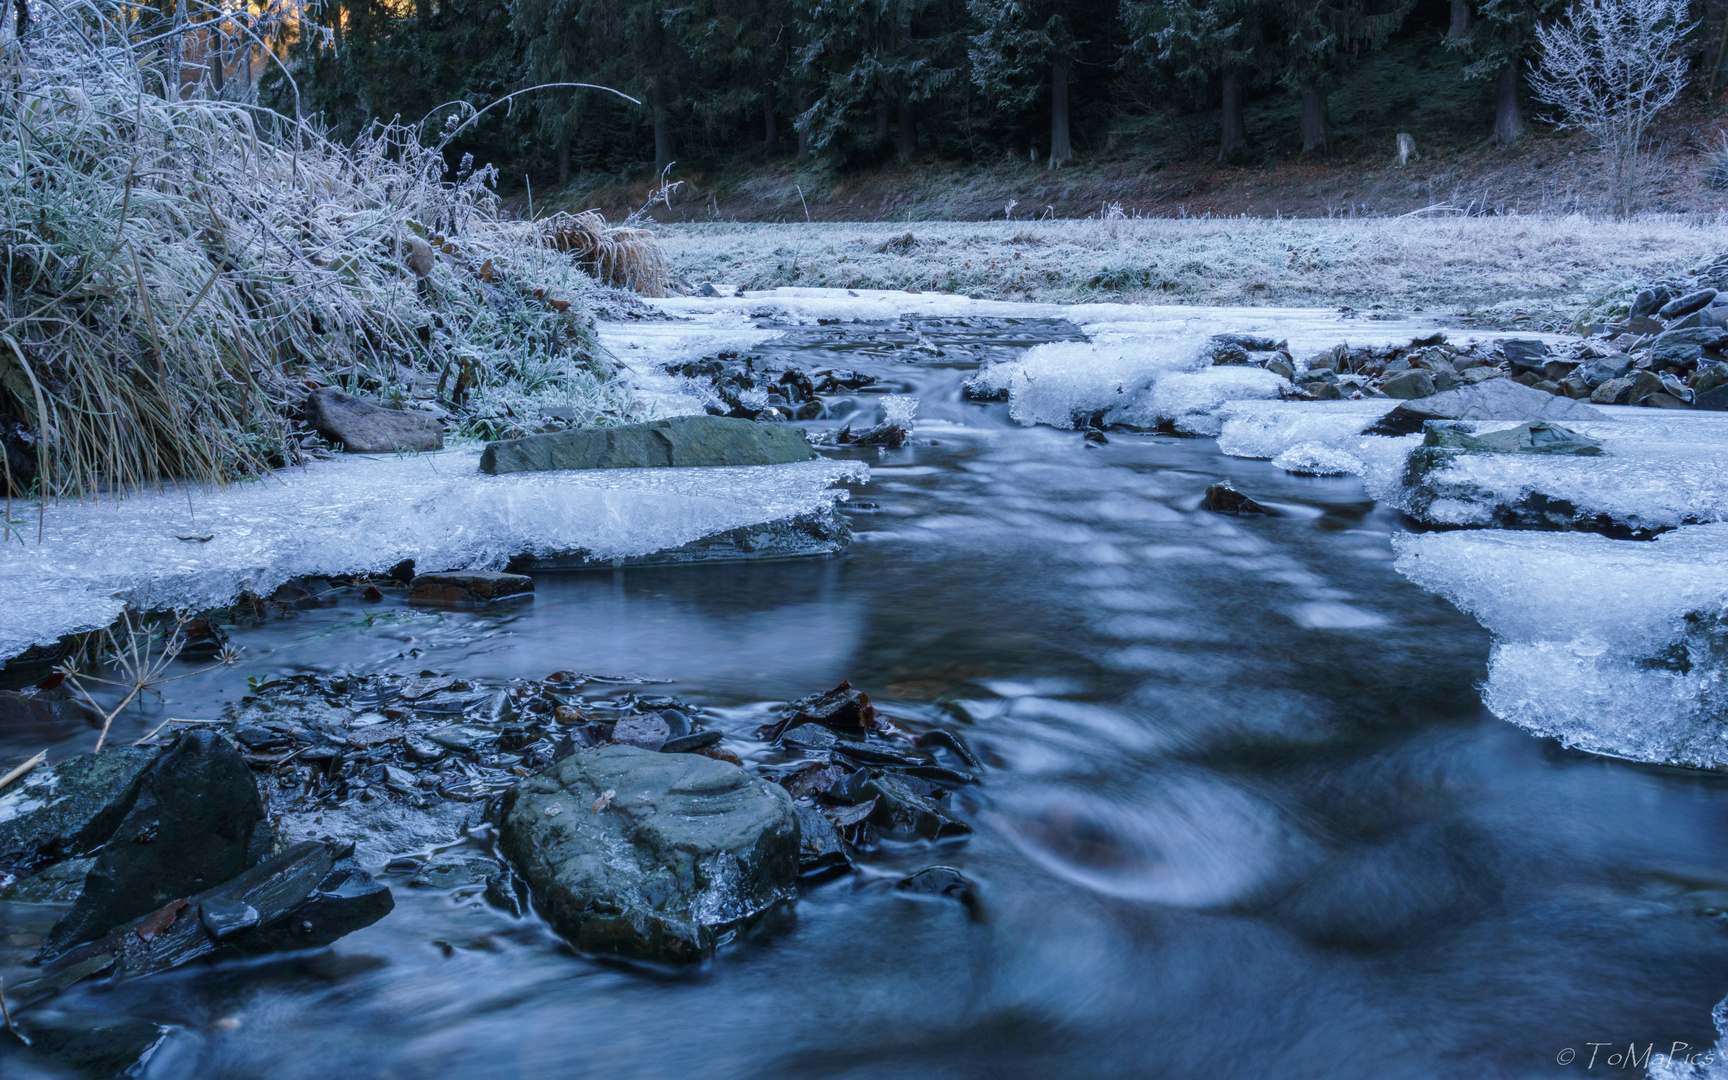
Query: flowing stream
1243,813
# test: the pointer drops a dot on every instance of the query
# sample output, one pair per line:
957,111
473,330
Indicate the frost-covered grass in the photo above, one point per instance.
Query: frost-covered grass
1550,269
181,265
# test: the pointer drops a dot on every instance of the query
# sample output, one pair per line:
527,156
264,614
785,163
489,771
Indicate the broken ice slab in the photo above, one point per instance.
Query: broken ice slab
1657,470
1619,647
356,515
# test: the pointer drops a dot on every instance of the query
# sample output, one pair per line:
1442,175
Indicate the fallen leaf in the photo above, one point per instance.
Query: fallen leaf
161,920
604,800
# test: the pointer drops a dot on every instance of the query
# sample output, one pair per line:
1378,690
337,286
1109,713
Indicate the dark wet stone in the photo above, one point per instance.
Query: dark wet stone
1525,355
46,711
461,737
1682,348
821,852
364,428
696,740
504,891
893,436
70,807
1540,437
307,896
94,1047
1409,384
454,869
1222,498
813,779
942,881
903,811
197,821
56,883
223,917
468,588
1715,398
680,441
813,737
647,732
1495,399
843,710
1687,304
647,855
1650,301
676,722
939,737
877,754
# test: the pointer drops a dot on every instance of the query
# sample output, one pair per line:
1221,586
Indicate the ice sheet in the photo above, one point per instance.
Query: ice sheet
1615,646
1659,469
646,348
359,514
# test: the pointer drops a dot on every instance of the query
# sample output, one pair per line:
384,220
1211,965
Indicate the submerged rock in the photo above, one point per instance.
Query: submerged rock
1497,399
681,441
650,856
472,587
364,428
1539,437
1223,498
197,820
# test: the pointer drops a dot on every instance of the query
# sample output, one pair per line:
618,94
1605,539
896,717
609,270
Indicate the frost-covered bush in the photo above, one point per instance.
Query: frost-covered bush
180,266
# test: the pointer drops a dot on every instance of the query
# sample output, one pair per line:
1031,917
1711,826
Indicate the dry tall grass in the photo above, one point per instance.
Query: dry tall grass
178,269
627,257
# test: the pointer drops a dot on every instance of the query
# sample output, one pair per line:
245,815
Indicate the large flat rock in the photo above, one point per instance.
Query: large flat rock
364,428
650,856
72,807
680,441
1496,399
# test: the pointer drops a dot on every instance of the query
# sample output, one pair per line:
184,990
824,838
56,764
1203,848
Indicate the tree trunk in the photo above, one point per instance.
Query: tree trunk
1460,19
1508,121
1061,147
881,122
1233,134
662,128
908,132
804,104
1313,120
176,51
770,129
213,57
564,159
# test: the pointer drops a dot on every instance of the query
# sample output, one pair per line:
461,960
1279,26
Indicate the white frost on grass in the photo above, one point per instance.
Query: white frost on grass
359,514
1619,647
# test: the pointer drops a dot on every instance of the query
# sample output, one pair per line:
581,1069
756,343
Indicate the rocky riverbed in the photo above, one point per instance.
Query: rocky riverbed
1136,725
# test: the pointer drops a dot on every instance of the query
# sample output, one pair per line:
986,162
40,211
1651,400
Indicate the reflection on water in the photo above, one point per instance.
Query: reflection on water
1244,814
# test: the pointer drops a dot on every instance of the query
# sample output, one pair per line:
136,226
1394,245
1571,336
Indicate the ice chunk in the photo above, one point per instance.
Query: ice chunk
1313,459
364,514
1615,646
1659,469
1066,383
645,349
899,409
1191,400
1265,429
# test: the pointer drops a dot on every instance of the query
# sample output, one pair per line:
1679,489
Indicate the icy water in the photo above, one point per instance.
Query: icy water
1243,816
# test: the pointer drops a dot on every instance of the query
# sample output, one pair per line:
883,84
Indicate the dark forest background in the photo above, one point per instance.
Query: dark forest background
851,84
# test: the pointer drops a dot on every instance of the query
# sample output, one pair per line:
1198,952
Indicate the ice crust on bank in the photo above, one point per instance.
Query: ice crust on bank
646,348
1615,646
1659,469
357,514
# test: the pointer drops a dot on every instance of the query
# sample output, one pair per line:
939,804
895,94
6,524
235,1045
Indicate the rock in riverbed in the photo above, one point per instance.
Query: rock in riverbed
650,856
197,821
474,587
70,808
1498,399
364,428
681,441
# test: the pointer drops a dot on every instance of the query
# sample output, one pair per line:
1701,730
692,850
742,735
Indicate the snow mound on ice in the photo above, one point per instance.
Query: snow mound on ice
1619,647
1065,383
1191,400
1312,459
359,514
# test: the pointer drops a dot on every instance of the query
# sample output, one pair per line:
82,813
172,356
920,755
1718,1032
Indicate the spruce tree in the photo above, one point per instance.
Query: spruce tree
1025,52
1204,45
630,45
870,61
1321,41
1498,42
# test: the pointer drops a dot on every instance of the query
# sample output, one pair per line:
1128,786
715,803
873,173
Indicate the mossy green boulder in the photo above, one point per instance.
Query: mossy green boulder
681,441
